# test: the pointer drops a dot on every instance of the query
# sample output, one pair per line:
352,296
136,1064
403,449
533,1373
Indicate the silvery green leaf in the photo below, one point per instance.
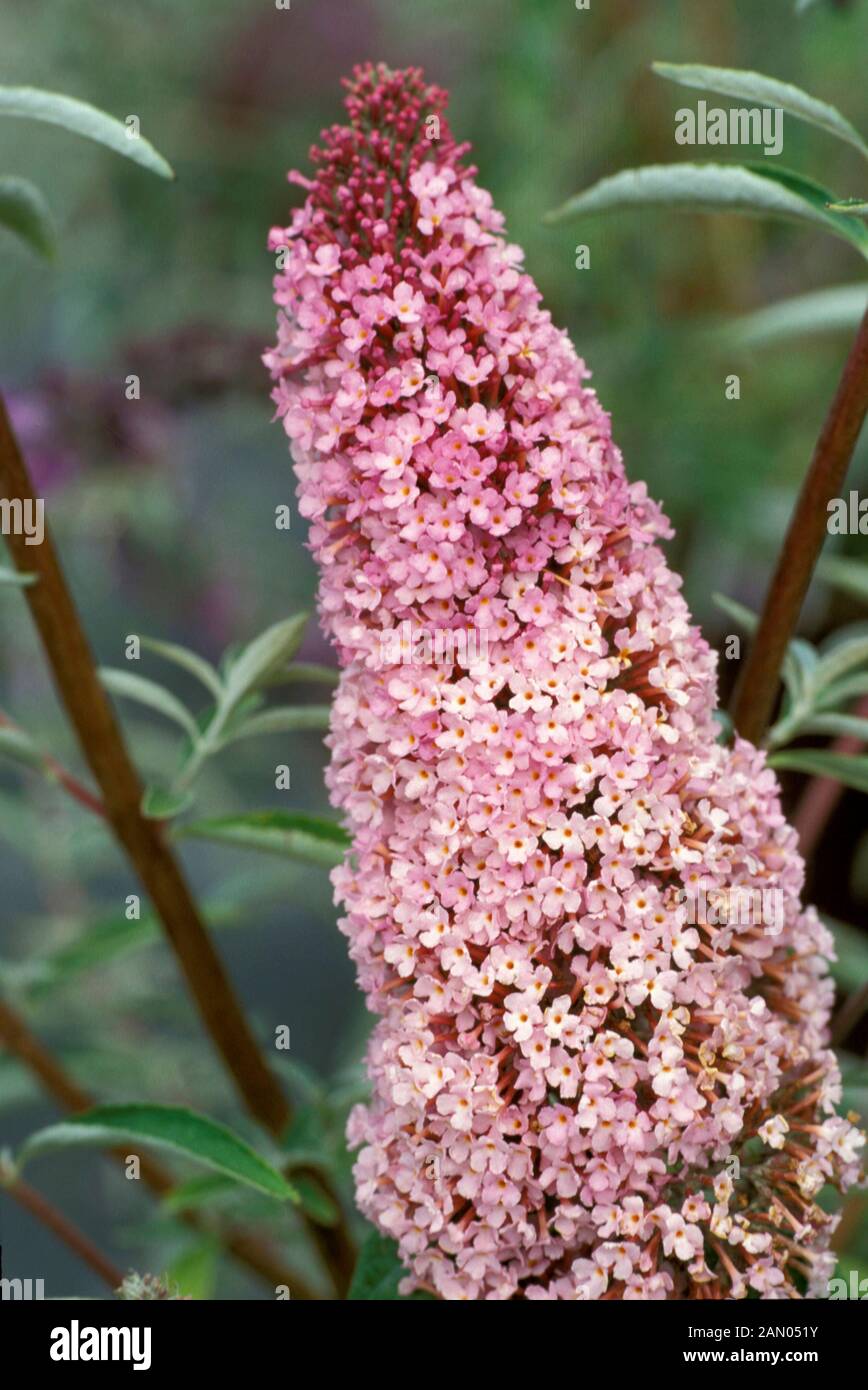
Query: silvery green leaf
712,188
836,726
281,720
841,693
845,651
304,671
757,88
819,198
251,667
15,578
848,769
845,573
81,118
147,692
24,211
170,1127
740,614
834,310
17,744
189,661
163,803
291,834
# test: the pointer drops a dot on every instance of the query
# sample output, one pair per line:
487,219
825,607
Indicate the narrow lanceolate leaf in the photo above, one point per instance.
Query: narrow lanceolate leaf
283,720
705,188
817,197
164,803
17,744
149,693
845,573
196,665
169,1127
262,658
836,310
15,579
836,726
304,671
755,88
845,652
850,970
378,1272
24,212
292,834
849,771
81,118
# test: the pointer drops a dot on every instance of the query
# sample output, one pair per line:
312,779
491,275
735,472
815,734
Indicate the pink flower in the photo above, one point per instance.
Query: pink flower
563,1067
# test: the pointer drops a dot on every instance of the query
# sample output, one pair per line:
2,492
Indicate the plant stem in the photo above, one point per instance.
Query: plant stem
758,685
102,743
248,1249
65,1230
72,665
56,772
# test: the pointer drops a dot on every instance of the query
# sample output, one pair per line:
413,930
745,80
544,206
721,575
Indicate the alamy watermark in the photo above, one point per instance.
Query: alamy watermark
739,125
739,906
410,645
23,517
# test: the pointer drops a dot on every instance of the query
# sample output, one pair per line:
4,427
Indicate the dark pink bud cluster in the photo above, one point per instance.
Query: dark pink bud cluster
601,1065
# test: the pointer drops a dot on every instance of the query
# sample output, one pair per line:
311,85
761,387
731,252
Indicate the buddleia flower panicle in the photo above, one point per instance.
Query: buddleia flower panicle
584,1086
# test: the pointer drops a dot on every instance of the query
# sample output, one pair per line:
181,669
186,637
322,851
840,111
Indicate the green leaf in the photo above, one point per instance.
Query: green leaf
282,720
315,1201
17,580
193,1273
834,310
170,1127
190,661
745,617
845,573
24,211
378,1272
200,1192
841,693
850,771
81,118
17,744
292,834
164,803
836,726
845,651
301,671
254,664
850,970
148,692
712,188
756,87
818,198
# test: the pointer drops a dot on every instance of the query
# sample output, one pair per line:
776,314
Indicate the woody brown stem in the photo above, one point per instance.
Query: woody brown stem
757,688
74,671
248,1249
66,1231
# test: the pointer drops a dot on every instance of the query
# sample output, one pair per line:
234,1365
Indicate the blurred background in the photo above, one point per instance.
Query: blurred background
164,507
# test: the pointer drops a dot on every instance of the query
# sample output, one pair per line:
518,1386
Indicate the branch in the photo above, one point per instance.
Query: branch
758,685
247,1249
102,744
65,1230
56,772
